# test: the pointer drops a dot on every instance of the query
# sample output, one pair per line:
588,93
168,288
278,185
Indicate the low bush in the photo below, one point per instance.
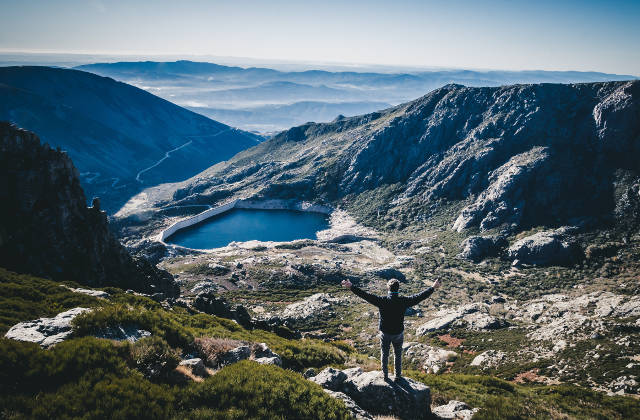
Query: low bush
24,297
211,349
247,390
153,357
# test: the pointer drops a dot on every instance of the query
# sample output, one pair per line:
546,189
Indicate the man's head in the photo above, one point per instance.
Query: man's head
393,285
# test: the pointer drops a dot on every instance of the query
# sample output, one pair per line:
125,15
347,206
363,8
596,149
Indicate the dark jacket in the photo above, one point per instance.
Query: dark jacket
392,307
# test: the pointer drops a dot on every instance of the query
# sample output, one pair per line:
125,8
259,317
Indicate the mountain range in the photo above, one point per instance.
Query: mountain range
228,93
120,137
498,158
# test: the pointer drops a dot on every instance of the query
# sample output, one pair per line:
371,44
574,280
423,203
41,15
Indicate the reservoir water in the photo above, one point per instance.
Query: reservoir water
250,224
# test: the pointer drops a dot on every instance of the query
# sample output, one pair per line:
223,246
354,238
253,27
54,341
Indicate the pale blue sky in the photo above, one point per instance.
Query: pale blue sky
550,35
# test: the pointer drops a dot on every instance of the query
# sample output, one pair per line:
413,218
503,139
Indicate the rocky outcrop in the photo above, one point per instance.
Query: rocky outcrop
504,200
196,365
488,359
405,399
433,359
455,410
212,304
46,228
474,316
46,331
477,248
310,306
355,410
545,248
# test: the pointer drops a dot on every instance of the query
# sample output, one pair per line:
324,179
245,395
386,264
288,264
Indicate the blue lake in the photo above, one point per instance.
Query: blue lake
244,225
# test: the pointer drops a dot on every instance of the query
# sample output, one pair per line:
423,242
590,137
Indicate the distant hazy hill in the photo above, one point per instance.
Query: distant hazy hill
114,131
255,97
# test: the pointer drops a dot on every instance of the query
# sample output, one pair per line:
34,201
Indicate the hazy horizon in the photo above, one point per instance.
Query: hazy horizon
593,36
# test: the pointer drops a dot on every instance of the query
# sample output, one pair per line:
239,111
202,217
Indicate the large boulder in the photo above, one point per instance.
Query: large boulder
474,316
406,399
310,307
488,358
456,410
477,248
196,365
46,331
545,248
356,411
209,303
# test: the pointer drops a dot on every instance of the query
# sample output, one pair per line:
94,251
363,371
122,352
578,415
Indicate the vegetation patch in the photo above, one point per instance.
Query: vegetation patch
499,399
24,297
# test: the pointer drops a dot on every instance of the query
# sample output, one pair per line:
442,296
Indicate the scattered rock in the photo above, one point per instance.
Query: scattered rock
455,410
196,365
477,248
211,304
433,359
545,248
45,331
234,356
265,356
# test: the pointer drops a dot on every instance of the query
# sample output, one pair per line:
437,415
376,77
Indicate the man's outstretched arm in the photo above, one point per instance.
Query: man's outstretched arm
369,297
417,298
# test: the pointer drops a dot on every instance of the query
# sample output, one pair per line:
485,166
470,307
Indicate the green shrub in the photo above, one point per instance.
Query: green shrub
153,357
156,320
109,397
24,297
247,390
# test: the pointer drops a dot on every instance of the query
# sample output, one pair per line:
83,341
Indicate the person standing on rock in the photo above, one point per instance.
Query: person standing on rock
392,308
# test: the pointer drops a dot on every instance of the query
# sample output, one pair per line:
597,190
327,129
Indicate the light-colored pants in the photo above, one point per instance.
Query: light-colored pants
385,341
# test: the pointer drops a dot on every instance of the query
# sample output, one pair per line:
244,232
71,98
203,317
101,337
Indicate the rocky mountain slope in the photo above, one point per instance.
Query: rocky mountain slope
508,158
120,137
47,230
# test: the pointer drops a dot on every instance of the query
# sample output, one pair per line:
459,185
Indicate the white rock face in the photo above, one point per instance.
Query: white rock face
89,292
433,359
265,356
474,316
544,248
489,358
310,306
455,410
45,331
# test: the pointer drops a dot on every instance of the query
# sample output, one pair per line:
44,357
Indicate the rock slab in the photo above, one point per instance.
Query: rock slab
406,399
45,331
